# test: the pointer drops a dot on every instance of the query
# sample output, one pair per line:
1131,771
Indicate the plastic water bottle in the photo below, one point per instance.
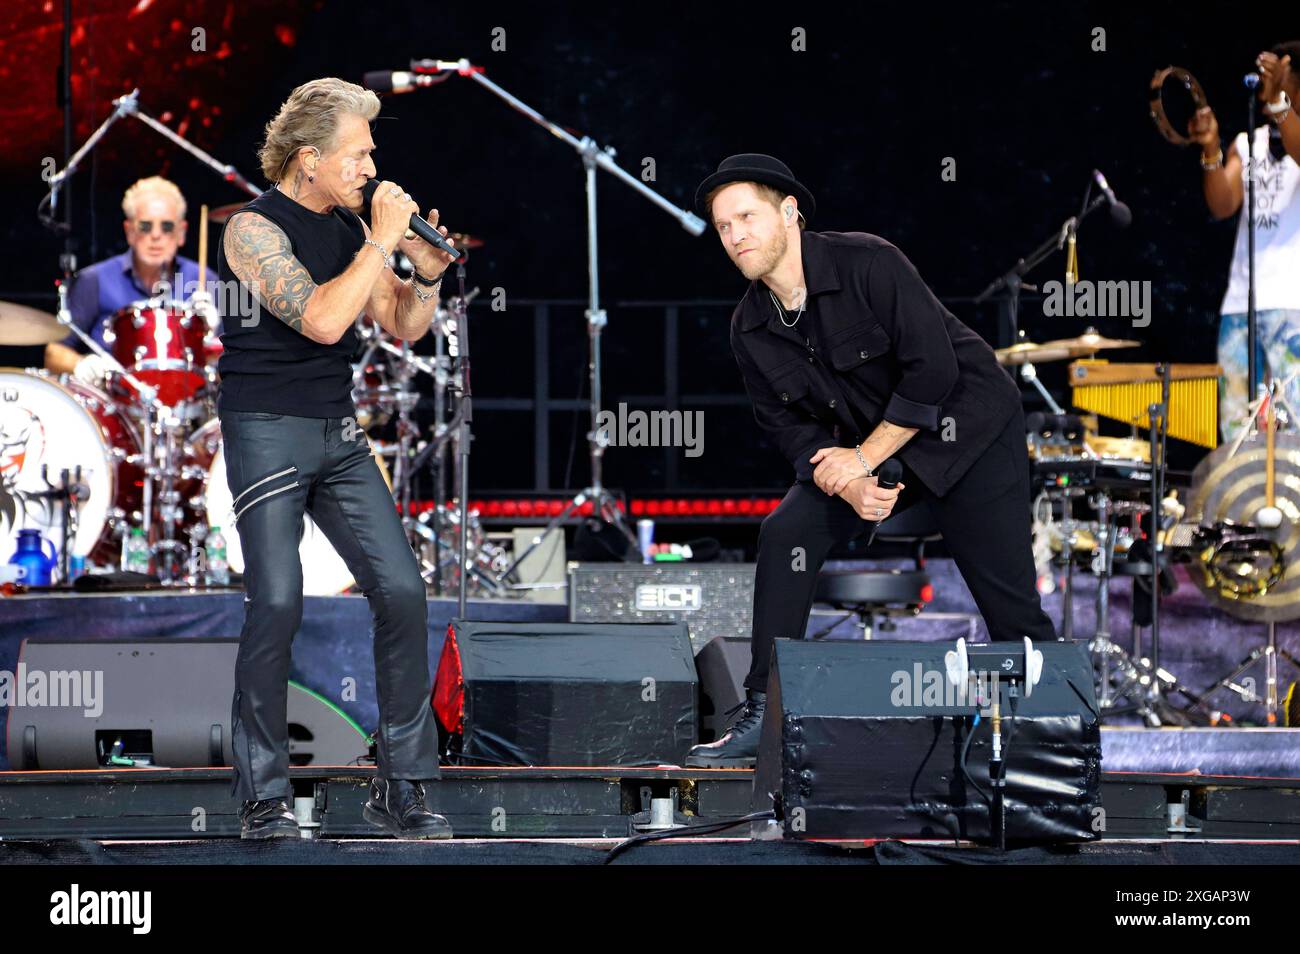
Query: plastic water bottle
137,552
218,569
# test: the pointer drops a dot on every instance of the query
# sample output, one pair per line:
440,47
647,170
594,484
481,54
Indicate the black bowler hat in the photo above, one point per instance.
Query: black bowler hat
756,167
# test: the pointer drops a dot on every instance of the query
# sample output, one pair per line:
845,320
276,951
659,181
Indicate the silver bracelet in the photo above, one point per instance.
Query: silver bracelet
415,288
863,461
382,251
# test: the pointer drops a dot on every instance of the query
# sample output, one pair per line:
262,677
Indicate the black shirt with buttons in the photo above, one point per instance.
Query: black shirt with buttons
872,344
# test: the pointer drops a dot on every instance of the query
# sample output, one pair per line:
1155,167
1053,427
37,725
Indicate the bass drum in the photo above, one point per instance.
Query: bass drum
323,571
45,424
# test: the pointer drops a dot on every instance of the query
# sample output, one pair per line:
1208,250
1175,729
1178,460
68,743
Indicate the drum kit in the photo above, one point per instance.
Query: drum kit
86,465
1237,532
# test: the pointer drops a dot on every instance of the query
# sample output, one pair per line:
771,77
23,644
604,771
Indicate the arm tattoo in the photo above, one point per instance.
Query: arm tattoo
259,253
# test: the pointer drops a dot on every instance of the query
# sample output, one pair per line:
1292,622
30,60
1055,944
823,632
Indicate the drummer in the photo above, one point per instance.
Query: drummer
153,212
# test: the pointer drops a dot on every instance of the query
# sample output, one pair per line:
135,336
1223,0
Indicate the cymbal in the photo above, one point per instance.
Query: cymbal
24,325
1090,342
1026,352
1061,349
464,240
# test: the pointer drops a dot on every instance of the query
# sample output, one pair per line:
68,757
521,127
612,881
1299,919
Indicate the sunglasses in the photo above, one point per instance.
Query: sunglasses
144,227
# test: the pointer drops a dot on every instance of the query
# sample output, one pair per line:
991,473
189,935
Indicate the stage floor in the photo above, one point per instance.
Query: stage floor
599,851
562,804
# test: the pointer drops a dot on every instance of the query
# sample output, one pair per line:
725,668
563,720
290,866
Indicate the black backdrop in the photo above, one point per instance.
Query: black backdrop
865,116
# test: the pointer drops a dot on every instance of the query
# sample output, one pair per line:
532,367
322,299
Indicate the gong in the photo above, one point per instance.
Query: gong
1233,489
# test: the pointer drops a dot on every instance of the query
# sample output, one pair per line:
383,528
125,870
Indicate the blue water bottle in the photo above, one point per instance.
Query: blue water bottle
37,568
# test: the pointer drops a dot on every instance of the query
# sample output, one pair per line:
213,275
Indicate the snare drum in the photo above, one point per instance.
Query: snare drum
43,422
164,344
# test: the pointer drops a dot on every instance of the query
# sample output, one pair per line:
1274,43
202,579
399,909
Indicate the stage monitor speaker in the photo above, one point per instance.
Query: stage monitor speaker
865,740
524,693
77,704
713,599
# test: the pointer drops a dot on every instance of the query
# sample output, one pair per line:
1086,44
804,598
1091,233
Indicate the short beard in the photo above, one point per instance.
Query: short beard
769,258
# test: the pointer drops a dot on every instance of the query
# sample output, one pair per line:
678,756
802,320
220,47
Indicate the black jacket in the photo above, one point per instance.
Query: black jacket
881,343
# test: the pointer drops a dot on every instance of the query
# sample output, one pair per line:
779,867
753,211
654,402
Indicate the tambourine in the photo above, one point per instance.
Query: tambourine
1157,102
1244,567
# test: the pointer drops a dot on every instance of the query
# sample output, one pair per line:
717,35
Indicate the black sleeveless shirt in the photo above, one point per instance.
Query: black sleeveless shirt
266,365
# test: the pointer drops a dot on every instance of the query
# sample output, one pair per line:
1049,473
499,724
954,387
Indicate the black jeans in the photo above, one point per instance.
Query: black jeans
280,467
985,522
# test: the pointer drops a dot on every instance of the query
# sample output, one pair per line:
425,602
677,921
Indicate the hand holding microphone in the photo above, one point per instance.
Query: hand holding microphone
393,212
891,472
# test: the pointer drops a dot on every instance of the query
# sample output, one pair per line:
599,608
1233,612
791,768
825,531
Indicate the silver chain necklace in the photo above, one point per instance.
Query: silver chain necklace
781,311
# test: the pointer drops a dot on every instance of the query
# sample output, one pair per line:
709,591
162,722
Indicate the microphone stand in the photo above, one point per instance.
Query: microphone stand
1252,328
593,157
1012,281
127,105
68,260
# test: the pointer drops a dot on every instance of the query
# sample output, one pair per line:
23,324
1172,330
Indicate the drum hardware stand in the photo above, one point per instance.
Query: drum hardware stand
446,379
442,373
593,156
1030,374
1159,682
69,493
1101,645
148,395
1140,678
1068,538
1270,651
168,549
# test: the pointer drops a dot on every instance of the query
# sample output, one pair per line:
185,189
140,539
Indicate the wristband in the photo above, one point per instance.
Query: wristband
426,282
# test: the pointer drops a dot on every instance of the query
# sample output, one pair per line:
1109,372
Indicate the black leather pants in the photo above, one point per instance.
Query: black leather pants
985,522
280,467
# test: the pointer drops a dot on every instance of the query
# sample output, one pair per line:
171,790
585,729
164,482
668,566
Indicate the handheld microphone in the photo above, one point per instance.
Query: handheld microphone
1251,80
1120,213
417,225
891,472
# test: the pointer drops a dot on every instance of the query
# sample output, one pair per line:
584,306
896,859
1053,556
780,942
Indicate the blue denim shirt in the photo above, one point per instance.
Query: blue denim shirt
98,291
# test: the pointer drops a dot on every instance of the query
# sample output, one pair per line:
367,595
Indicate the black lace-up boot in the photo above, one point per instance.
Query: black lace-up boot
397,806
738,748
268,818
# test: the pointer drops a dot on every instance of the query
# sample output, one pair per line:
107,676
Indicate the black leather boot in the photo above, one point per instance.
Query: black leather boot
268,818
397,806
738,748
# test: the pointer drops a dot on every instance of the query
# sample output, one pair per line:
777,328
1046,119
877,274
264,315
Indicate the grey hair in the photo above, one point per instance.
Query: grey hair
153,185
310,117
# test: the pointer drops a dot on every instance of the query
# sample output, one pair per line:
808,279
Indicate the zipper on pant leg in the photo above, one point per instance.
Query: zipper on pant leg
288,470
270,493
